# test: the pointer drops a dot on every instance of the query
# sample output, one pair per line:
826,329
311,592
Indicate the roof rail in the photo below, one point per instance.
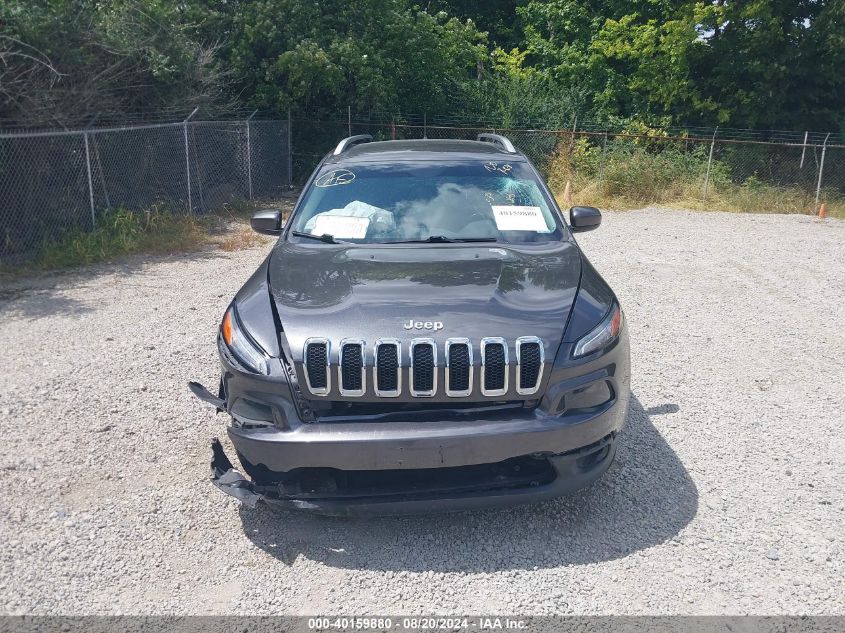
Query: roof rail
498,139
349,141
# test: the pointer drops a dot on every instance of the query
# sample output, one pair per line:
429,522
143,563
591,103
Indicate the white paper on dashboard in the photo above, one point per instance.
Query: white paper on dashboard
341,226
517,218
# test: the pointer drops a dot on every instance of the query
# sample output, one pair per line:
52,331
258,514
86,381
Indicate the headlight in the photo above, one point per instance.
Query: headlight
602,335
241,345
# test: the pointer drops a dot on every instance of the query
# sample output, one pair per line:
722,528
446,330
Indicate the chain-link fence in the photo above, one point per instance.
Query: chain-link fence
53,181
711,169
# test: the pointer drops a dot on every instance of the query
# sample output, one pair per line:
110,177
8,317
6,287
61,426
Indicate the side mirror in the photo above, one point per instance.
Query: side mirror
584,219
267,221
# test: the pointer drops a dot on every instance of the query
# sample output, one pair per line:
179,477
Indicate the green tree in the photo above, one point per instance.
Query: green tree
497,18
754,63
774,64
766,63
371,54
65,59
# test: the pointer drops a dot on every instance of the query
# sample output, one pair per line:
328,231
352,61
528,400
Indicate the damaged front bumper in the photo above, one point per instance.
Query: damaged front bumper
419,464
566,473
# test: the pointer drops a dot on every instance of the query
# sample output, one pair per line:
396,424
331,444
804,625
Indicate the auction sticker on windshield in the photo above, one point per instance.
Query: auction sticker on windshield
341,226
517,218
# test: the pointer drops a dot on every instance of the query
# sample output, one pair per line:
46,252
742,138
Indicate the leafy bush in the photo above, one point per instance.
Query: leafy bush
121,232
627,171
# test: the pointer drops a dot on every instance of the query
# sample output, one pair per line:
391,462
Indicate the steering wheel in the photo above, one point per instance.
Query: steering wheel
481,217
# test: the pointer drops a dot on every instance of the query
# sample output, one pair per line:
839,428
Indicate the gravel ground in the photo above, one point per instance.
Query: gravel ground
726,496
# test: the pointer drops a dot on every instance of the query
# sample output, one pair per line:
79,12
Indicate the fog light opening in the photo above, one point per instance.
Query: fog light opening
588,461
585,398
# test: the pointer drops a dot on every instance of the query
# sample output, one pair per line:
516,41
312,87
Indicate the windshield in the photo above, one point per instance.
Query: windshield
461,201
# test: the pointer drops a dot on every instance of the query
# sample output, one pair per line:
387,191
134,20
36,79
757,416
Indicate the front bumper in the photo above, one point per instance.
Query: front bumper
572,471
411,445
421,467
575,443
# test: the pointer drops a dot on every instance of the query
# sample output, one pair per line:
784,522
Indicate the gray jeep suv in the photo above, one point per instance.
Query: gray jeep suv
425,335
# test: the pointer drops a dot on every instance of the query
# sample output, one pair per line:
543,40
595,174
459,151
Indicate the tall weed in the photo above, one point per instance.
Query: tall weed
631,173
121,232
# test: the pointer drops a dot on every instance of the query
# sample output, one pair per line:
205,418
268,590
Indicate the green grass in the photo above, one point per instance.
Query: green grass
122,232
631,176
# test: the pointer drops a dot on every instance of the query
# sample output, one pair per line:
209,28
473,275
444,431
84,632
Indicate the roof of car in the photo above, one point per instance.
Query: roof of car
422,150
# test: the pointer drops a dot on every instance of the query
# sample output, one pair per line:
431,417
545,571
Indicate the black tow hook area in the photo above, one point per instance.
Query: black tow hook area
229,480
206,396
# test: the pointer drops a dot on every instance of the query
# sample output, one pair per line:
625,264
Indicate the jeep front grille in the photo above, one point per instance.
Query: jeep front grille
529,364
317,351
494,366
351,377
387,374
423,367
353,365
458,367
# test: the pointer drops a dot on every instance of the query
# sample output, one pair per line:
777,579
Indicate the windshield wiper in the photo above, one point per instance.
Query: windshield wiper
325,237
442,239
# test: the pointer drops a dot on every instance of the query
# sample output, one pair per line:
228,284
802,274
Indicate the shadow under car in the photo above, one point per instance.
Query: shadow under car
646,498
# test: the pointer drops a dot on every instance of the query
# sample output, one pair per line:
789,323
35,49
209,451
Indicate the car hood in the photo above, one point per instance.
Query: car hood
474,290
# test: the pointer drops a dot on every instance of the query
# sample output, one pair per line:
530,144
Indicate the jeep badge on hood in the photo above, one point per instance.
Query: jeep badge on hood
423,325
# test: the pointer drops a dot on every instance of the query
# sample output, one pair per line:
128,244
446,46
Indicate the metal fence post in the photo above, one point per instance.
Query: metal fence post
249,155
349,119
90,182
803,151
102,176
188,158
710,162
821,170
603,152
290,153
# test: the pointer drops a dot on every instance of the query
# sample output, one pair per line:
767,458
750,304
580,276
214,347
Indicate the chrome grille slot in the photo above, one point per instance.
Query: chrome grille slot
351,378
529,364
458,367
423,371
316,363
494,366
387,372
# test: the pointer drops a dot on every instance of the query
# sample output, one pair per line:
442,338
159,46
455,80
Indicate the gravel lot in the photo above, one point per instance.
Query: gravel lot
726,497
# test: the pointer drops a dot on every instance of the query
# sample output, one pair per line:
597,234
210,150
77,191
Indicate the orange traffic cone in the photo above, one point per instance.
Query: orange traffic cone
567,194
822,212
